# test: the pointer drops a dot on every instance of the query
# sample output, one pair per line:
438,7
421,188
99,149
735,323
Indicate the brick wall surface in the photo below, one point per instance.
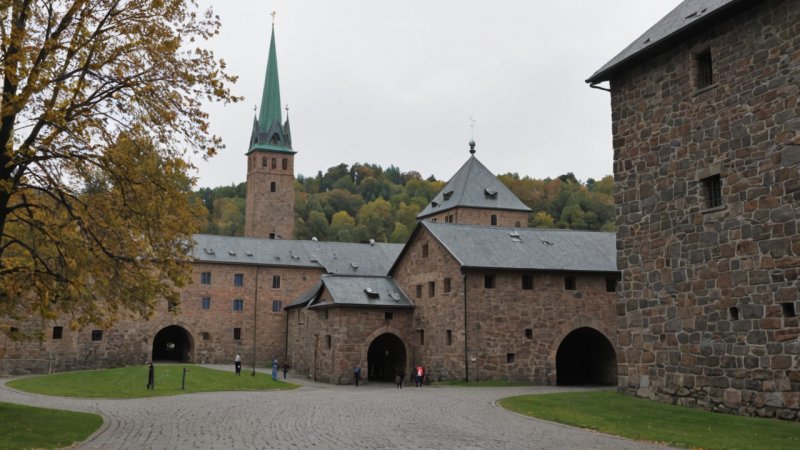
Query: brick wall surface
706,311
269,212
497,318
476,216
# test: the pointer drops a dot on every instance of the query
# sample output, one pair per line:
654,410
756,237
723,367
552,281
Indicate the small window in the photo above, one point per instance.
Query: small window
529,333
517,224
238,305
527,282
494,219
272,186
488,281
449,338
238,279
446,287
509,358
97,335
704,69
58,332
206,335
419,291
611,285
712,190
274,163
276,282
277,305
264,162
424,250
328,338
325,314
272,235
733,313
205,278
421,337
206,303
285,164
569,283
452,218
387,315
788,309
431,288
237,334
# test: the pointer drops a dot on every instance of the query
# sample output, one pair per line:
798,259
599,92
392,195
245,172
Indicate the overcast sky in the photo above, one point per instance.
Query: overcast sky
398,82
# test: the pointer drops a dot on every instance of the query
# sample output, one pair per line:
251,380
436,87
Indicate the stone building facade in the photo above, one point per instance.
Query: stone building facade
511,304
706,124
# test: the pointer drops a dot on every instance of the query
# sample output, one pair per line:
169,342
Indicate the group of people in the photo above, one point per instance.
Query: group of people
237,365
419,376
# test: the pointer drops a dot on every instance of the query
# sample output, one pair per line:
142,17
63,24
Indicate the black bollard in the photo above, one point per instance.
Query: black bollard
183,380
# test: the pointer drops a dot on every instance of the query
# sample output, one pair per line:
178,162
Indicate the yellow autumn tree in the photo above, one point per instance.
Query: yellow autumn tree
102,100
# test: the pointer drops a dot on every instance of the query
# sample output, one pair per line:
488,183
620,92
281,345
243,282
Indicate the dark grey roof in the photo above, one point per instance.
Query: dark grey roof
361,291
527,248
334,257
306,296
686,17
473,186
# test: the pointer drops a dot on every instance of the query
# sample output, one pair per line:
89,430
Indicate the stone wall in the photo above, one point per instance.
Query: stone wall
497,319
210,331
708,302
269,213
483,217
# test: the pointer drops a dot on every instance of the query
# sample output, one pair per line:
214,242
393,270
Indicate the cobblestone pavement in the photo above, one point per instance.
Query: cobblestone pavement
318,416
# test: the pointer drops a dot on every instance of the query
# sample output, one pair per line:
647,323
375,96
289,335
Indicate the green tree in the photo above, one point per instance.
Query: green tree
342,225
95,212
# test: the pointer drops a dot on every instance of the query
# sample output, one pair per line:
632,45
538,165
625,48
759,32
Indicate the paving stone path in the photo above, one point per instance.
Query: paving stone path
318,416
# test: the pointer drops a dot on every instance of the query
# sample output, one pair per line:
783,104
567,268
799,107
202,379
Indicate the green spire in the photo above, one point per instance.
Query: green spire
271,97
269,133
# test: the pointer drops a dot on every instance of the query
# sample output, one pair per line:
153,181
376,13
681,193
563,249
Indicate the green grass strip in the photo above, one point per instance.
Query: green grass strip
646,420
26,427
131,382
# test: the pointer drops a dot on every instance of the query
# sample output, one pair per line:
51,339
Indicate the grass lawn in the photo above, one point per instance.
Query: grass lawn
23,427
131,382
645,420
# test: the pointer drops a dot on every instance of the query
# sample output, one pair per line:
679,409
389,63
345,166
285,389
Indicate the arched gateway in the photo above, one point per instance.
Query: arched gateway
172,343
386,356
585,356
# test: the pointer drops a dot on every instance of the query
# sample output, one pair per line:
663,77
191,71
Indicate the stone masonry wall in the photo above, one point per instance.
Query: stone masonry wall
708,304
497,319
483,217
269,212
210,331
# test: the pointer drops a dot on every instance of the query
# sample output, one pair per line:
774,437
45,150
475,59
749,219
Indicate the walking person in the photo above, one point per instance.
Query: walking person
285,368
151,376
237,363
357,374
418,376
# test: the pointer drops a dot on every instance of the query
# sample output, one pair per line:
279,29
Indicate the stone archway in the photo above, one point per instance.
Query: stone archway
385,357
172,343
584,357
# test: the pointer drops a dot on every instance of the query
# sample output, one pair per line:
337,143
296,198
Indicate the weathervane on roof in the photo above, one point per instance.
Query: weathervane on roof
472,135
273,17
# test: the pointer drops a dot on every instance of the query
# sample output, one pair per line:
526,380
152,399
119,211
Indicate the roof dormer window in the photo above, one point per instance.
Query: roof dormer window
490,194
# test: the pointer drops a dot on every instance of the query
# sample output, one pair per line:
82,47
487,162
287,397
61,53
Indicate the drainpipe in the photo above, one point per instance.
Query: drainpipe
286,339
255,323
466,355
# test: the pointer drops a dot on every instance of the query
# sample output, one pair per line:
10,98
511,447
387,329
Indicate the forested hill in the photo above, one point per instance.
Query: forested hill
364,201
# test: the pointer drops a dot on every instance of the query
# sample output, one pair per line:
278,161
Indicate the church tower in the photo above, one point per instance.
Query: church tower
270,164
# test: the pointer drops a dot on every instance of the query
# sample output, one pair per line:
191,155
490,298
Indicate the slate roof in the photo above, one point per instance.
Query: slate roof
473,186
535,249
360,291
334,257
688,17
